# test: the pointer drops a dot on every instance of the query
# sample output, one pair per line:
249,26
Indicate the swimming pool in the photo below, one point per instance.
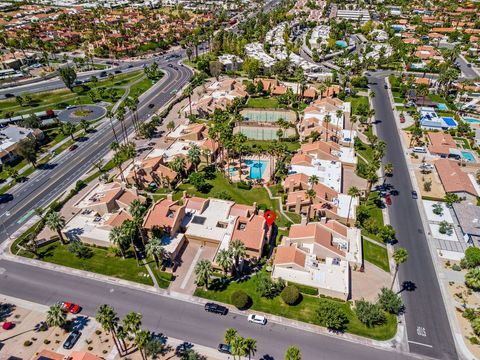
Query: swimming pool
257,168
468,156
471,120
341,43
449,121
442,107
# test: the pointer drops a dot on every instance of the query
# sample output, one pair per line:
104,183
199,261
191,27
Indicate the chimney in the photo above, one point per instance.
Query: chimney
169,197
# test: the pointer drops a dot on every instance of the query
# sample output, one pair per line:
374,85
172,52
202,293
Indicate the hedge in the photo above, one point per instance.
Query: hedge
305,289
240,299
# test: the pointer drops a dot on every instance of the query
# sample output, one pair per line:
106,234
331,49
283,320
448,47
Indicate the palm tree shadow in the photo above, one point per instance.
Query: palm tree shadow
408,286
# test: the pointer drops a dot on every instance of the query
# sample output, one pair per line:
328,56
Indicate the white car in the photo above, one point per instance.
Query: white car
257,319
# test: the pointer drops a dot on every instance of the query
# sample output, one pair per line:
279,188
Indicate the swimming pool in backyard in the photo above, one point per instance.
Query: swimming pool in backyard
468,156
341,43
449,121
471,120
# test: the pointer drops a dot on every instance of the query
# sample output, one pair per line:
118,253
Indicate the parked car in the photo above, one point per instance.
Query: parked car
224,348
257,319
103,74
73,147
69,107
388,200
176,68
72,339
71,307
216,308
8,325
151,106
414,195
170,65
4,198
9,95
118,71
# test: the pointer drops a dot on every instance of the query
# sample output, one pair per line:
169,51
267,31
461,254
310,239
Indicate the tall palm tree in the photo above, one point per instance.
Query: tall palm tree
155,249
238,346
388,169
207,153
178,165
141,340
132,322
314,180
188,93
108,319
193,155
121,119
56,316
230,334
56,222
372,178
118,161
400,255
327,119
311,194
250,347
293,353
109,115
238,251
224,260
129,229
353,192
204,270
118,238
137,210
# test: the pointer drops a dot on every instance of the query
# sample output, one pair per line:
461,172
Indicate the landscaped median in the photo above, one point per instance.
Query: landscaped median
306,310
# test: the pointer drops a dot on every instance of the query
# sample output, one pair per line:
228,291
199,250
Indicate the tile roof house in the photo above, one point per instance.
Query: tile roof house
440,143
151,171
99,211
319,255
454,180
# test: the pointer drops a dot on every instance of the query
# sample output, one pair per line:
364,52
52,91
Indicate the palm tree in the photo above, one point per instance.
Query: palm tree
238,346
118,161
238,251
56,222
224,260
327,119
293,353
353,192
230,334
108,319
400,255
250,347
141,340
188,93
84,124
137,210
56,316
372,178
311,195
155,249
129,229
109,115
132,322
388,169
118,238
203,270
193,155
178,165
472,278
207,153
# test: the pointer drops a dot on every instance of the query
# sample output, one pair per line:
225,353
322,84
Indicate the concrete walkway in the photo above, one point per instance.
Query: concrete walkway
279,199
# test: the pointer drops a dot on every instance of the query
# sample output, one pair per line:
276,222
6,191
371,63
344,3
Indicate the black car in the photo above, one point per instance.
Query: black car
118,71
176,68
103,74
4,198
170,65
414,195
9,95
151,106
224,348
72,339
216,308
130,66
385,86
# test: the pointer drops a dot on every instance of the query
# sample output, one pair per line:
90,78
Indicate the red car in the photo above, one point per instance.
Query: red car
7,325
388,200
71,308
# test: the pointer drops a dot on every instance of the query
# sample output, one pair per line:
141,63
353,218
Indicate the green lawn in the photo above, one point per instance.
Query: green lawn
262,145
305,311
375,213
375,254
221,184
101,262
356,101
260,102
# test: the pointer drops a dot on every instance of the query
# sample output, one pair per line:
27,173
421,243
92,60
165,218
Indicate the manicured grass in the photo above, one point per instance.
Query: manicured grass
220,184
101,262
260,102
356,101
375,213
262,146
305,311
375,254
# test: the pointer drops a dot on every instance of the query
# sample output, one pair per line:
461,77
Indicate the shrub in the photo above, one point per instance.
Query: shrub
98,332
331,316
469,314
445,228
472,257
474,340
290,295
476,325
240,299
390,301
368,313
305,289
244,185
46,341
267,287
456,267
90,348
27,343
223,195
79,249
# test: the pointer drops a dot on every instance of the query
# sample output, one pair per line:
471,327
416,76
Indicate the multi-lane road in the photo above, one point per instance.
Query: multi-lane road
176,318
428,329
48,183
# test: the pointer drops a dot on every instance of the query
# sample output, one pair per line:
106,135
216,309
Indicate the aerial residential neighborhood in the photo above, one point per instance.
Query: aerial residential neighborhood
283,179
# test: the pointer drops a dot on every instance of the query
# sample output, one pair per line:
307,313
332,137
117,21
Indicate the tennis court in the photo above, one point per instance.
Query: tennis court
270,116
260,133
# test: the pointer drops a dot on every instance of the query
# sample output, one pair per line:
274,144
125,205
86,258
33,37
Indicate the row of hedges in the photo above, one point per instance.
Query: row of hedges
305,289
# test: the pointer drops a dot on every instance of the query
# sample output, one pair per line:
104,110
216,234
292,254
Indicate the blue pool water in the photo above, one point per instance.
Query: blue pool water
442,107
468,156
232,171
471,120
257,168
449,121
341,43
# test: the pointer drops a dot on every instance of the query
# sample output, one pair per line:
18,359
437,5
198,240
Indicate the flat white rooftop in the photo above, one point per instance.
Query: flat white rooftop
328,172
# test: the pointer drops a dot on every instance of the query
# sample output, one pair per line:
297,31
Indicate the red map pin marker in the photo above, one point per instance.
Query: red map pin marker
269,217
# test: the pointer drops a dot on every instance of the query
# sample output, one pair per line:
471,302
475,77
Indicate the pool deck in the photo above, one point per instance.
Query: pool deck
246,169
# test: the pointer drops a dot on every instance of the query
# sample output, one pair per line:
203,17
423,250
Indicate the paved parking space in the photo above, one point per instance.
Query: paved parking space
367,284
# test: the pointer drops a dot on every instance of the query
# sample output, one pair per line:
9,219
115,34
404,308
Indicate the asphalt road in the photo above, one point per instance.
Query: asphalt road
176,318
428,328
47,183
467,71
56,83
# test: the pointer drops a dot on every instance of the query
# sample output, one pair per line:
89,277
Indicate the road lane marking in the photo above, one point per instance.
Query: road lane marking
421,344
